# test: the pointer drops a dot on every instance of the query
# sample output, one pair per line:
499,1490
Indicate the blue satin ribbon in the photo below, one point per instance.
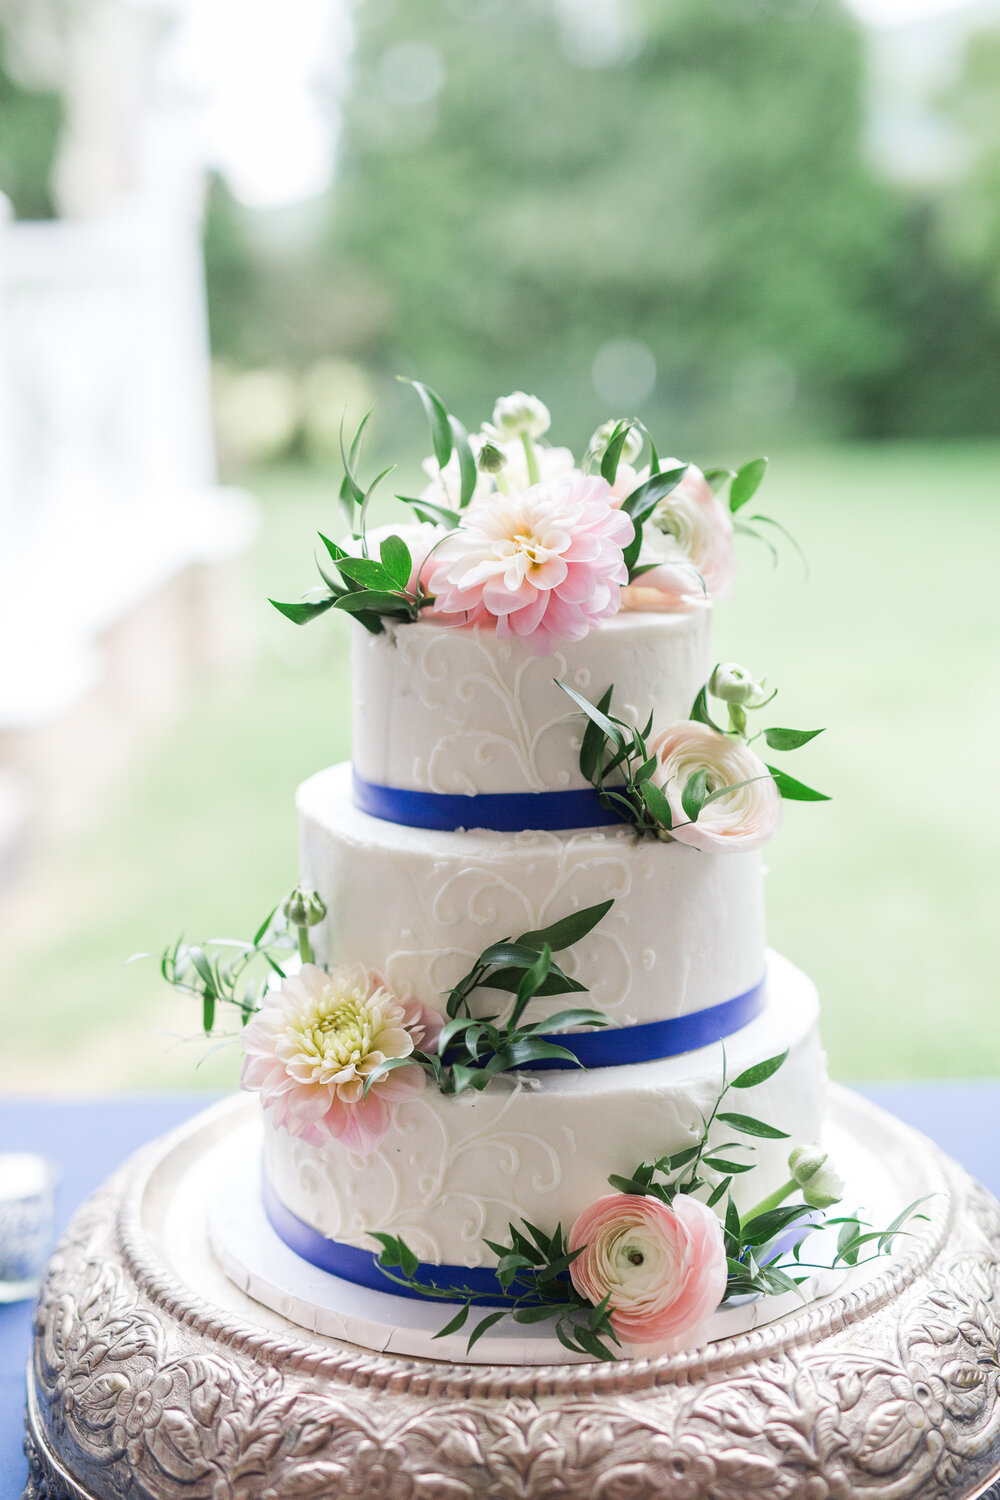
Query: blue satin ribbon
615,1047
500,812
360,1266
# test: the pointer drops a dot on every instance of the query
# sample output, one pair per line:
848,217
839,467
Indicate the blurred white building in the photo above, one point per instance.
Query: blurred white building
114,535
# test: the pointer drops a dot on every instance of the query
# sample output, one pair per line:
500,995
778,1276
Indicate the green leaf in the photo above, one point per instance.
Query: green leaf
719,1192
789,739
732,1168
695,794
591,1344
700,713
746,482
795,791
306,610
482,1327
207,1011
531,982
466,461
366,571
613,452
442,437
766,1226
351,493
264,926
374,601
747,1125
760,1072
657,802
396,560
565,1018
457,1322
732,1221
540,1314
718,477
592,745
336,553
568,930
429,510
732,786
642,501
611,730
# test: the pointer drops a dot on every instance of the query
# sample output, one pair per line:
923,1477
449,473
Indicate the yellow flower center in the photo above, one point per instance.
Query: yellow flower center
340,1031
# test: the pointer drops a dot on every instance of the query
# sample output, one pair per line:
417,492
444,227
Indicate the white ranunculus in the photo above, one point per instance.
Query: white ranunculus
745,818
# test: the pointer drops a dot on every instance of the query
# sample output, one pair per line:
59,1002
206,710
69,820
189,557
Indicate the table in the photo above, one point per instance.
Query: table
89,1138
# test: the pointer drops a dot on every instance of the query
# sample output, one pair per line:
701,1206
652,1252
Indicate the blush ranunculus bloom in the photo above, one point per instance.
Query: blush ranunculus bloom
314,1041
544,563
746,818
690,532
664,1265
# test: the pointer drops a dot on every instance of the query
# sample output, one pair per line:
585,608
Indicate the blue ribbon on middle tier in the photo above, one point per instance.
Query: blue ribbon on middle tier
498,812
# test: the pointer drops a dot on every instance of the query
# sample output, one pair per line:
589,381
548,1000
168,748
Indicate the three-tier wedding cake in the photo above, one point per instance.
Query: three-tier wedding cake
536,1057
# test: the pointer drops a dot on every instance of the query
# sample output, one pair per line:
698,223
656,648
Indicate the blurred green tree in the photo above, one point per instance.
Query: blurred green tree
30,124
518,190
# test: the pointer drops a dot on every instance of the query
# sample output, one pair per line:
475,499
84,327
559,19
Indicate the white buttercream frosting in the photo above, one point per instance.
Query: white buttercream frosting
447,708
686,930
455,1169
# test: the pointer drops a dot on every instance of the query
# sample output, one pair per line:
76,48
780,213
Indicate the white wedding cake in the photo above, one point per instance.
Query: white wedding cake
534,1056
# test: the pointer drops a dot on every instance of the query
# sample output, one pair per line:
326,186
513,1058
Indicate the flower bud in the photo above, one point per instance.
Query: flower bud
520,415
735,684
491,458
303,907
631,448
821,1185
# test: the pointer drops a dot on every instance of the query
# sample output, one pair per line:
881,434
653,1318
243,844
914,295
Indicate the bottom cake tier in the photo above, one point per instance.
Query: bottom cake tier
454,1170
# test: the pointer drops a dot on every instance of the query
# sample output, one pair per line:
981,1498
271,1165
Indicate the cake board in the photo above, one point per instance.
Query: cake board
154,1375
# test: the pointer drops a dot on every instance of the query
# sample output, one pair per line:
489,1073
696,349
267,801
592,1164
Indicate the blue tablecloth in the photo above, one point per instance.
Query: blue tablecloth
89,1138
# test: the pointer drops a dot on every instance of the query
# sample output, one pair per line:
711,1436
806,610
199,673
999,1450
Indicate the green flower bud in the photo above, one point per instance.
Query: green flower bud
735,684
521,415
303,907
631,448
821,1186
491,458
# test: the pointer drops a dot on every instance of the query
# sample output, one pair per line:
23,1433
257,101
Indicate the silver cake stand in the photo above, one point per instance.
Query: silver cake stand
153,1376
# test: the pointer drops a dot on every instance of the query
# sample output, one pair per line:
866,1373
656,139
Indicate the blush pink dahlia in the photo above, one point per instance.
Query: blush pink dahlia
545,563
313,1043
745,818
663,1265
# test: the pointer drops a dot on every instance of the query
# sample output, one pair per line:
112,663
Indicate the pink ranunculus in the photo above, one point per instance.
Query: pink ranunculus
745,818
544,563
664,1265
313,1043
690,537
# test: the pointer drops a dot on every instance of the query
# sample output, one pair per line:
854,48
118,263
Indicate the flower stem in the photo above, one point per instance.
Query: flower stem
773,1200
305,947
532,457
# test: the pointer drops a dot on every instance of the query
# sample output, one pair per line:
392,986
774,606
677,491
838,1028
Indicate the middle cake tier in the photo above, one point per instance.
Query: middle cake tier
686,931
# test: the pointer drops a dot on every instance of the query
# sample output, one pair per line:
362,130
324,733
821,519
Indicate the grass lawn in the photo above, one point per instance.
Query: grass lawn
888,896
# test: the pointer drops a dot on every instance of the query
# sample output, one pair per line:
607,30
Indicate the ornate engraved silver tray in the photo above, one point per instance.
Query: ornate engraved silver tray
153,1376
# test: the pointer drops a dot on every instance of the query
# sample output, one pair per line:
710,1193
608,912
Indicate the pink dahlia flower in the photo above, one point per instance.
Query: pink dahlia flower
745,818
313,1043
545,563
690,533
664,1265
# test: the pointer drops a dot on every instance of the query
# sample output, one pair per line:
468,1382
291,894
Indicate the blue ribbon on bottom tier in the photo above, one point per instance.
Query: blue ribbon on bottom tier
351,1263
498,812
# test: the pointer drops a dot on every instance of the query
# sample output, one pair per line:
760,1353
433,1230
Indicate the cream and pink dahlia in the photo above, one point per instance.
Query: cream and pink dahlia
315,1041
744,818
663,1266
545,563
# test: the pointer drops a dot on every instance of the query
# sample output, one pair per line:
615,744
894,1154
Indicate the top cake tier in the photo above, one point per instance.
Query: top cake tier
455,710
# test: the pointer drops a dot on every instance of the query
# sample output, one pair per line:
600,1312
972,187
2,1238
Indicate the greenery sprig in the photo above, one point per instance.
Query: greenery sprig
533,1268
473,1049
533,1271
616,760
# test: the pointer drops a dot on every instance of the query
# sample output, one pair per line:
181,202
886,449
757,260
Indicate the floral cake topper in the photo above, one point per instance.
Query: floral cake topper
517,534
